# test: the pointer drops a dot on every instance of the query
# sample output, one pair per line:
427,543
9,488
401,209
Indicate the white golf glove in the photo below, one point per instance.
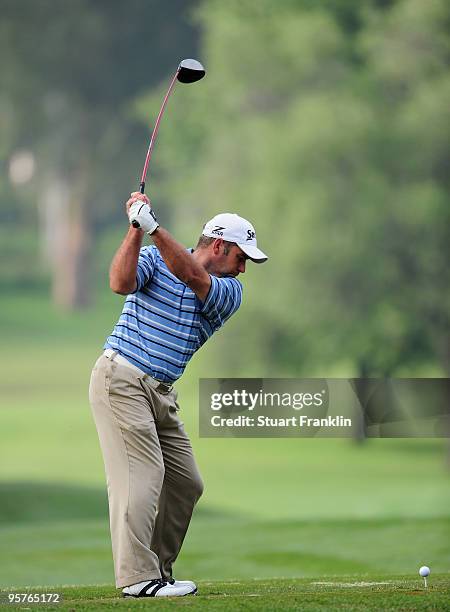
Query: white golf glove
142,216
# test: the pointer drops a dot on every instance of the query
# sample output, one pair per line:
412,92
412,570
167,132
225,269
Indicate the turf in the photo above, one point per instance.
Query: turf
230,548
348,593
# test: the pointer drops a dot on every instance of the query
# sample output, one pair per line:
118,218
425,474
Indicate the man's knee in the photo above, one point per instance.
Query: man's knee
191,487
197,487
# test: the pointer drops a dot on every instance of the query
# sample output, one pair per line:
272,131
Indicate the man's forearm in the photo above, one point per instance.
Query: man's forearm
122,273
179,261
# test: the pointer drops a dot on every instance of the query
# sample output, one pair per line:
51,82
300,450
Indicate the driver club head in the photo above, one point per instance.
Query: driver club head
190,70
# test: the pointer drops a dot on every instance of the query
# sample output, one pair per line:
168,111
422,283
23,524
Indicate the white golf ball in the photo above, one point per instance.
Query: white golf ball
424,571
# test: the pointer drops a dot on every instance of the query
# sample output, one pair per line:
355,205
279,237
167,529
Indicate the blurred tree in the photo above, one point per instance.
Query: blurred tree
385,299
70,71
327,128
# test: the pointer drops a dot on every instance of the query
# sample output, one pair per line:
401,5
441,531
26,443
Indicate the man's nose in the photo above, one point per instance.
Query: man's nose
241,268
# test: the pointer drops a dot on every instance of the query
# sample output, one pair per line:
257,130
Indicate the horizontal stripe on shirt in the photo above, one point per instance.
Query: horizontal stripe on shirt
163,323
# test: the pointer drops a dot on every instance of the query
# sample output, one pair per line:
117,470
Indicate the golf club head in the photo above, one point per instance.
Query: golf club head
190,70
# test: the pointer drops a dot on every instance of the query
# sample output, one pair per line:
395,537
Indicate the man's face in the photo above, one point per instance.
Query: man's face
228,260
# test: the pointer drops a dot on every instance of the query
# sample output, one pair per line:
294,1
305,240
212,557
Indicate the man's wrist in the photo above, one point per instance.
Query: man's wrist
136,234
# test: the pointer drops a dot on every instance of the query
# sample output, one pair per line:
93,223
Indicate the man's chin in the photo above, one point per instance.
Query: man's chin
225,274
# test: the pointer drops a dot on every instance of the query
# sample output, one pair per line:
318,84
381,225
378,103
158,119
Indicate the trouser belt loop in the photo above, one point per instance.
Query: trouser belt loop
159,386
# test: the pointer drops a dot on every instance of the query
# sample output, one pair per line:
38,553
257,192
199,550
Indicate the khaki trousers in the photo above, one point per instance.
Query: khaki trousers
152,478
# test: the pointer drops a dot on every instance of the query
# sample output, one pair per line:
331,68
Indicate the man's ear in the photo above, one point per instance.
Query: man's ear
217,244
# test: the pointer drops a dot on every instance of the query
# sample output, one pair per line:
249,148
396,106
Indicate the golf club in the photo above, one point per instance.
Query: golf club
188,71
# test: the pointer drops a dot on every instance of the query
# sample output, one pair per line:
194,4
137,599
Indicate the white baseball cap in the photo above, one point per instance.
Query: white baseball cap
234,228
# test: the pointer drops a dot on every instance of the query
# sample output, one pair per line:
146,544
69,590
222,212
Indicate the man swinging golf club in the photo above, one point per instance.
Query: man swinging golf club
176,299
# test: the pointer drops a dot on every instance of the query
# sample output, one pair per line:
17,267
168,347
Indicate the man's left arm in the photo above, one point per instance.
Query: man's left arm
181,263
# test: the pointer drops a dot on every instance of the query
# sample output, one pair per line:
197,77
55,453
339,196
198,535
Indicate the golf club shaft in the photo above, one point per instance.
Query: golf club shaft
155,132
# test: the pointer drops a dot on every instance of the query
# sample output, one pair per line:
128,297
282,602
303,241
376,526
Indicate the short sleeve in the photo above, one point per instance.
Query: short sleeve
223,299
146,266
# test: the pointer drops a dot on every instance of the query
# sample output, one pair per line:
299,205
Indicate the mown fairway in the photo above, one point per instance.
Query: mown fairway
347,593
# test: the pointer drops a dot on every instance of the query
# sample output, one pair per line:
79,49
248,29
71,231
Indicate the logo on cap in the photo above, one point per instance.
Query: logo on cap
250,235
218,230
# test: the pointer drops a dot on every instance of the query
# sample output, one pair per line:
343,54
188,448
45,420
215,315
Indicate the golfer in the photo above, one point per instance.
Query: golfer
176,299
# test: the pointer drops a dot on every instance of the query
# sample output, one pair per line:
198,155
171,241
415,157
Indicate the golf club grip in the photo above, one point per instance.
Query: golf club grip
135,223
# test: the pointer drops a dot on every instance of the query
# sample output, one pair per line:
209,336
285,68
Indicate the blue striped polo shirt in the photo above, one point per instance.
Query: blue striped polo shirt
163,322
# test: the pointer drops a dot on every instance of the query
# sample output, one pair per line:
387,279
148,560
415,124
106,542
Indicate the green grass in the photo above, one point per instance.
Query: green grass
348,593
306,510
219,547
